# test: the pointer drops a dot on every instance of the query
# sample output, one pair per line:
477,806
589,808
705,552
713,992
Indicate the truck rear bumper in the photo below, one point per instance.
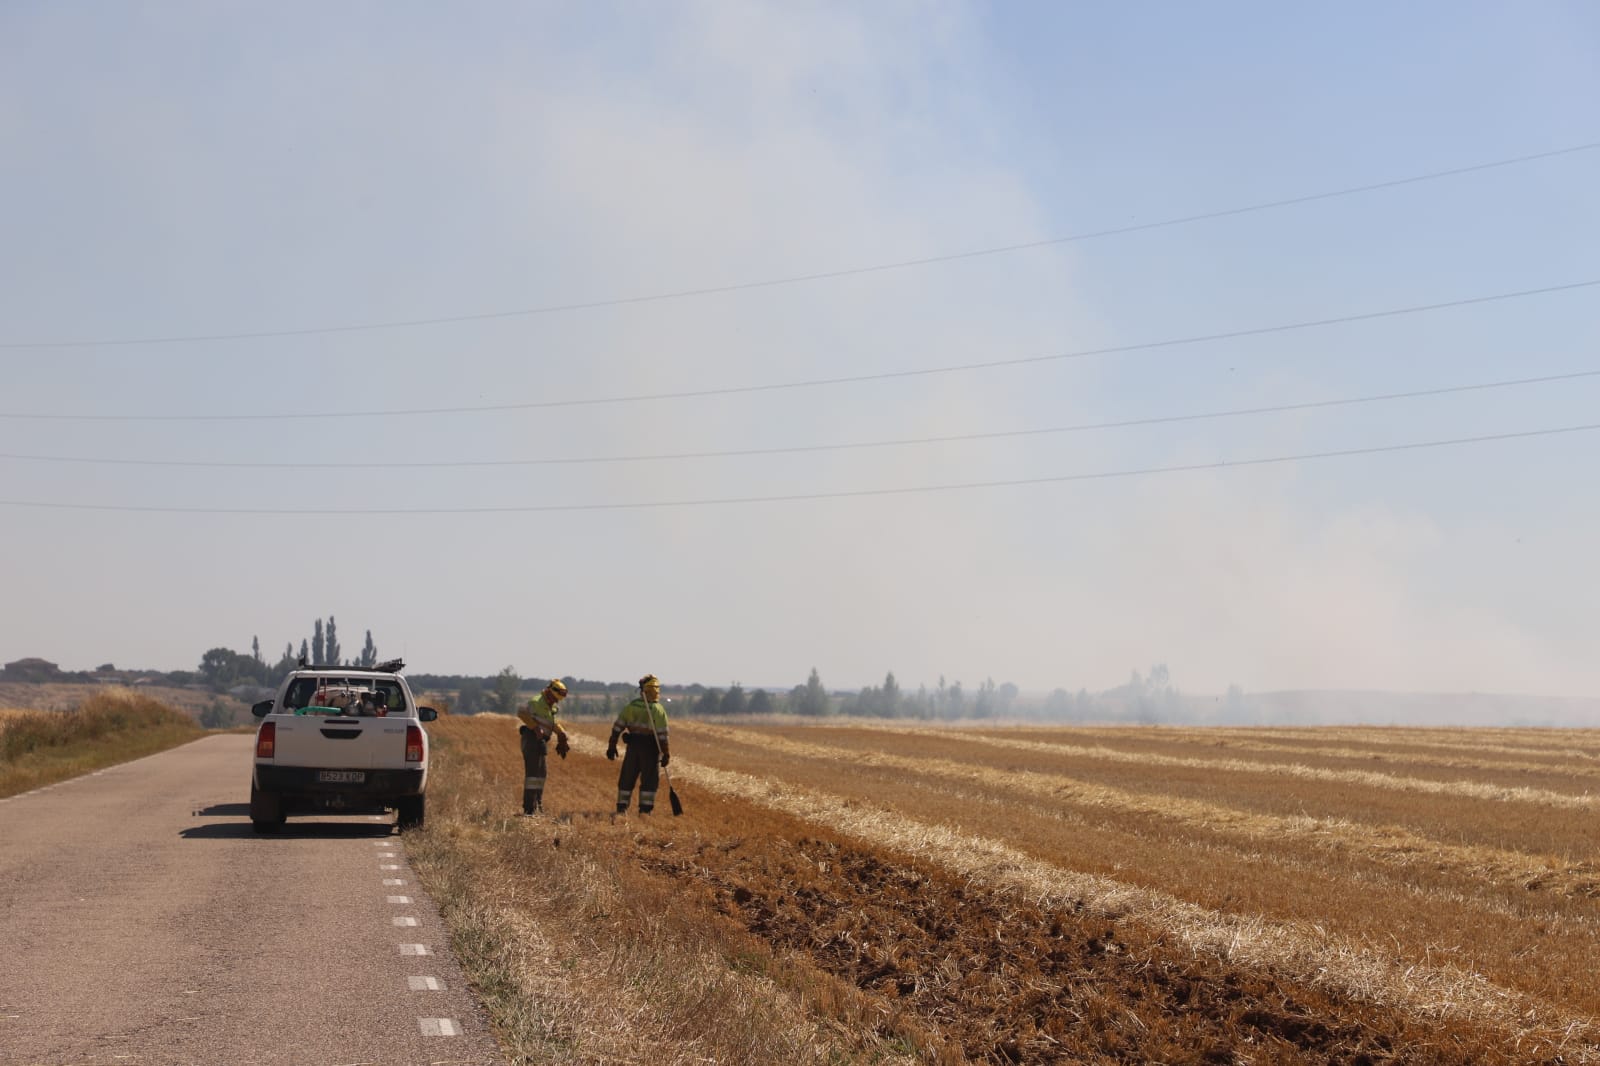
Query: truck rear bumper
307,781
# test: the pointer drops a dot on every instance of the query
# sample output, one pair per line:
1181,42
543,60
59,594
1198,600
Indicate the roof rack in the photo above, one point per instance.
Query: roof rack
388,666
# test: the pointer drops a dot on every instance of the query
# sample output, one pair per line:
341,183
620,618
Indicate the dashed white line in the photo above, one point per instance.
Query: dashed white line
415,949
393,881
404,921
399,899
391,866
440,1026
424,984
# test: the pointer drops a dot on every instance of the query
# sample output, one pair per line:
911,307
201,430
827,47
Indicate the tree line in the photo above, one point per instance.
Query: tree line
1145,698
222,669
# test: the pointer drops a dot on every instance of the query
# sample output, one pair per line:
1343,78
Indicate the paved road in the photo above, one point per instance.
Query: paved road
143,923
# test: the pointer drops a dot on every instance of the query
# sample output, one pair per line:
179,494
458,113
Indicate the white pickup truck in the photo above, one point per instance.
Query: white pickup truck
340,739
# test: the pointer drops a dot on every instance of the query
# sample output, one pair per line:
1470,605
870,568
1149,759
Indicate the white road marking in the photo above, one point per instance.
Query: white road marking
391,866
399,899
424,984
393,881
415,949
440,1026
404,921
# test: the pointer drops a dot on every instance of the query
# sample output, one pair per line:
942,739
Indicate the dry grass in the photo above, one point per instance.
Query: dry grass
112,726
942,897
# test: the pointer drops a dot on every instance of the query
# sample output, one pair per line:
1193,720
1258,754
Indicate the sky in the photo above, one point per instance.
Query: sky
726,341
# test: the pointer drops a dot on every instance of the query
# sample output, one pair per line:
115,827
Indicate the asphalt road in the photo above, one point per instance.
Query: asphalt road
144,923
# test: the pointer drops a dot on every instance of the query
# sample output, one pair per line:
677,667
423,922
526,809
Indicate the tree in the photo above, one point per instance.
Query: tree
285,664
332,646
255,650
985,704
710,702
810,698
733,701
316,643
305,652
369,653
470,699
890,699
222,668
760,702
506,684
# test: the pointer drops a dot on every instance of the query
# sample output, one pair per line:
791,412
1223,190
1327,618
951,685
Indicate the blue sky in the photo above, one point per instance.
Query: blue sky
189,170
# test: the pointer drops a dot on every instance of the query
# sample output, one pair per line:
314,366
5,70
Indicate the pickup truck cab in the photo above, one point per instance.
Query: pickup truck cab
340,740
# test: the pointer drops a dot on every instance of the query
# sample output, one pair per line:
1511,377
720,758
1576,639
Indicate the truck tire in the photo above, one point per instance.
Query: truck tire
411,810
266,810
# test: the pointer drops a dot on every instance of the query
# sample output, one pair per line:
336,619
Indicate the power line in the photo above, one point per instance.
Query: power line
804,448
854,379
795,279
908,490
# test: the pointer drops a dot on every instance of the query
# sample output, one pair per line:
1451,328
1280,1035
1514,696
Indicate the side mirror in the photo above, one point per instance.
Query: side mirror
262,709
427,714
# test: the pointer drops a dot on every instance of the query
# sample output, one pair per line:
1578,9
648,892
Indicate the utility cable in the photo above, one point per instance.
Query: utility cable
908,490
854,379
796,279
804,448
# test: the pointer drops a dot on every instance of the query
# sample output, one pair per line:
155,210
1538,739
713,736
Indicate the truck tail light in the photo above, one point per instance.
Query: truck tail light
267,740
413,744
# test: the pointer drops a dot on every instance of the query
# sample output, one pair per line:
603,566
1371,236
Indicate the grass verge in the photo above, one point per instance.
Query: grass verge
113,726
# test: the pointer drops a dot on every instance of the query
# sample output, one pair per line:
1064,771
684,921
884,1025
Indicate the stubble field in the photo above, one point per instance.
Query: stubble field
845,892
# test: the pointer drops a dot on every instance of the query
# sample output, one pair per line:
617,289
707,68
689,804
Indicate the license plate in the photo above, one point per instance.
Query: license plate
342,777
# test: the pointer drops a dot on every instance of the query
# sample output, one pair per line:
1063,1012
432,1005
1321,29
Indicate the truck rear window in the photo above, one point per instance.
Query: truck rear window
340,695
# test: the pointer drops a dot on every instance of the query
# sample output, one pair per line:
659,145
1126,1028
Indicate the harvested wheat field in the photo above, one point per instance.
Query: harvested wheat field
858,893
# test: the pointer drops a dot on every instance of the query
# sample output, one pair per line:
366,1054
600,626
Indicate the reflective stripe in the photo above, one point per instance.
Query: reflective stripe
533,782
646,799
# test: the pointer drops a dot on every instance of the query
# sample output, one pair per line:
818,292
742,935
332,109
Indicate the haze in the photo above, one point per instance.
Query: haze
198,170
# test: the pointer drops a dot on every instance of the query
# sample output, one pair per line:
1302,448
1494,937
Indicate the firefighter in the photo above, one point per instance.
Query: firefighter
539,724
642,725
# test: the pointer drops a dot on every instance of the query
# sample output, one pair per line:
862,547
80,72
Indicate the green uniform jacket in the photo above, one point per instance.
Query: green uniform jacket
635,720
540,717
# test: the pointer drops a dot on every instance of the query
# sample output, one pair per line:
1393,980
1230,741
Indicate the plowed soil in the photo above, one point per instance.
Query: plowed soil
957,963
1004,981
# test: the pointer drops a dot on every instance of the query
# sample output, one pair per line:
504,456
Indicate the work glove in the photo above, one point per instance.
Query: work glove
562,747
611,752
666,757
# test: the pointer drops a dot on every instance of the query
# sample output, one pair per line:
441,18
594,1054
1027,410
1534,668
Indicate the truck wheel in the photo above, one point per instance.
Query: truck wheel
411,811
266,810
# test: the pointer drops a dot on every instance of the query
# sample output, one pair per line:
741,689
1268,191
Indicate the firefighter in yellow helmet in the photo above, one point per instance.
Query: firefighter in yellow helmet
539,724
642,725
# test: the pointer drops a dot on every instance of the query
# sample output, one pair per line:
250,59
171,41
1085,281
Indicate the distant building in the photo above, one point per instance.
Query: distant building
31,670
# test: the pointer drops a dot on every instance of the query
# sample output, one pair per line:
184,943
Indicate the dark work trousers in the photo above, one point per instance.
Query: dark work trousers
533,752
642,761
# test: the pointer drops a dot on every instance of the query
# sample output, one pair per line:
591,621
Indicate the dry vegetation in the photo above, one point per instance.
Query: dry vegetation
849,893
38,747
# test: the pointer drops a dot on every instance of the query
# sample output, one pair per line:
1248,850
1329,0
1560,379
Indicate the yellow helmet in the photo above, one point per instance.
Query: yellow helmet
557,686
649,679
